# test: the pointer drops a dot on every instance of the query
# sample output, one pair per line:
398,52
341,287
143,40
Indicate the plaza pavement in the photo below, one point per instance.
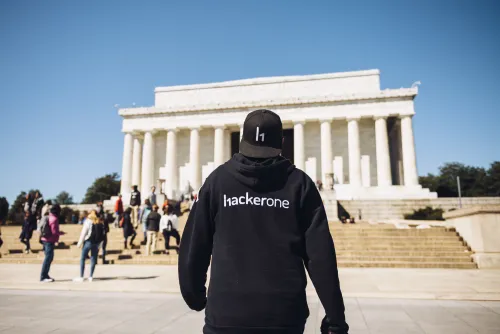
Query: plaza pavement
88,312
453,284
146,299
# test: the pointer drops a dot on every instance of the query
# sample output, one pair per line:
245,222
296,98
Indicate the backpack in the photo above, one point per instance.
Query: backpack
44,227
97,234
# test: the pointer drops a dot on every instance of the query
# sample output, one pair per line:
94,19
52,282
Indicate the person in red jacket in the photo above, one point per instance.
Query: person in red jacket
118,210
49,240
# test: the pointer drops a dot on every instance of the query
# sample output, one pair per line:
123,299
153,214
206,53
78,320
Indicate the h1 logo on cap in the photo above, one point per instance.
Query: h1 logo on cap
262,134
257,134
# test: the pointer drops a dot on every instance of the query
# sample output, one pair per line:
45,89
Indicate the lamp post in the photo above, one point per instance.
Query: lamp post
459,193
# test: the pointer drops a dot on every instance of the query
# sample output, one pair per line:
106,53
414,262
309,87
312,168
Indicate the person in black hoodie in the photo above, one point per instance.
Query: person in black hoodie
135,203
153,226
128,228
262,221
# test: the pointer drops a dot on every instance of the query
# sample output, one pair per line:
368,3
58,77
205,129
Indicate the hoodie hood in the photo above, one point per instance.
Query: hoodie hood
260,174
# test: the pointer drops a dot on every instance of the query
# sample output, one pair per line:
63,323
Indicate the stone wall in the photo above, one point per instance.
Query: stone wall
396,209
268,88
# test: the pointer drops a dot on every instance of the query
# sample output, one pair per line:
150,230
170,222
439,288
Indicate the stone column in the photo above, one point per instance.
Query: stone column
171,164
354,152
148,157
218,146
227,145
326,149
409,159
298,146
194,158
128,142
136,162
382,146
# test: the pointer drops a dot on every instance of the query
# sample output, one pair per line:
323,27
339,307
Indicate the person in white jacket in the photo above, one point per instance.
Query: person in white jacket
169,227
91,237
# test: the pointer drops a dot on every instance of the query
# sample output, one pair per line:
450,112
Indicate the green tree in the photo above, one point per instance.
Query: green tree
4,209
493,179
64,198
430,181
472,180
102,188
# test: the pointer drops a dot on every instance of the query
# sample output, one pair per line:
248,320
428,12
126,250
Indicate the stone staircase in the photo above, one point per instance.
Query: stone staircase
383,245
357,245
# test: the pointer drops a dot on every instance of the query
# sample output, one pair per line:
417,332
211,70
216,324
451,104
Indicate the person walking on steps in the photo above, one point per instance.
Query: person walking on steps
118,210
49,232
91,237
169,226
29,223
143,218
36,207
128,228
108,219
99,210
153,226
261,223
135,203
152,196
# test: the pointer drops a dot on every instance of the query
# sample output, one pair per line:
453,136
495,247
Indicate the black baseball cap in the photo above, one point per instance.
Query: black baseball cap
262,135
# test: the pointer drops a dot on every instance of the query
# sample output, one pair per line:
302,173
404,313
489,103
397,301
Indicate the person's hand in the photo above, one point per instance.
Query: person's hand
326,328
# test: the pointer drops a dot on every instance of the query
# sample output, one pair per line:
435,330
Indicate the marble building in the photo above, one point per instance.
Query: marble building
340,128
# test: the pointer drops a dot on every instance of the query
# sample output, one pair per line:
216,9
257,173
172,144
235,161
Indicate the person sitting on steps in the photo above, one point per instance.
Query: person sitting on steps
169,226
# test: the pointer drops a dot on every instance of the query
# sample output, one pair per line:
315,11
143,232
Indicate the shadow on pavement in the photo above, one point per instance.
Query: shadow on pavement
112,278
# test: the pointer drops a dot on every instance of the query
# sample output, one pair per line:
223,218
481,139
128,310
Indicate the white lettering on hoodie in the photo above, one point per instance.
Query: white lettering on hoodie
256,201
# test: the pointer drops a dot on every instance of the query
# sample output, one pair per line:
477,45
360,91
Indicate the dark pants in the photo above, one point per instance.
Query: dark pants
133,235
26,241
104,244
94,250
207,329
168,234
48,249
26,234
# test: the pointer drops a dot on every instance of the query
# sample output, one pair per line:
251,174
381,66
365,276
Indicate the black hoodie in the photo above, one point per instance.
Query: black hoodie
262,221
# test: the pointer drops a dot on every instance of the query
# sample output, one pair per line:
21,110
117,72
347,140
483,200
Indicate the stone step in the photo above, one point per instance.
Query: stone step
397,264
403,238
394,232
167,260
397,248
395,244
416,259
357,245
417,253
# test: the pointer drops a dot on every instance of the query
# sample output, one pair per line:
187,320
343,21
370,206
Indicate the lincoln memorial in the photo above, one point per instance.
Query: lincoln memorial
340,128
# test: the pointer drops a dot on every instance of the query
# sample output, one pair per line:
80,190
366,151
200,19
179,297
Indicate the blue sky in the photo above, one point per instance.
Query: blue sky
64,64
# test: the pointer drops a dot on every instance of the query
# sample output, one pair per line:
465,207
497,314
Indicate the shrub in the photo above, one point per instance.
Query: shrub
428,213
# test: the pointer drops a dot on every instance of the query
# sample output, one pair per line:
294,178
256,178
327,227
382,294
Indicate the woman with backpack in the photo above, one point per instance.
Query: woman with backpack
169,226
49,236
91,237
128,228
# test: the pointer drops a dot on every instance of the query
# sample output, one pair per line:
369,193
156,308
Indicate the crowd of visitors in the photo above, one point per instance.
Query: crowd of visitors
44,217
151,221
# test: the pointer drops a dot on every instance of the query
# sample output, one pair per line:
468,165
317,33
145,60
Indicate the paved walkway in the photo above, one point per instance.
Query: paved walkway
440,284
87,312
